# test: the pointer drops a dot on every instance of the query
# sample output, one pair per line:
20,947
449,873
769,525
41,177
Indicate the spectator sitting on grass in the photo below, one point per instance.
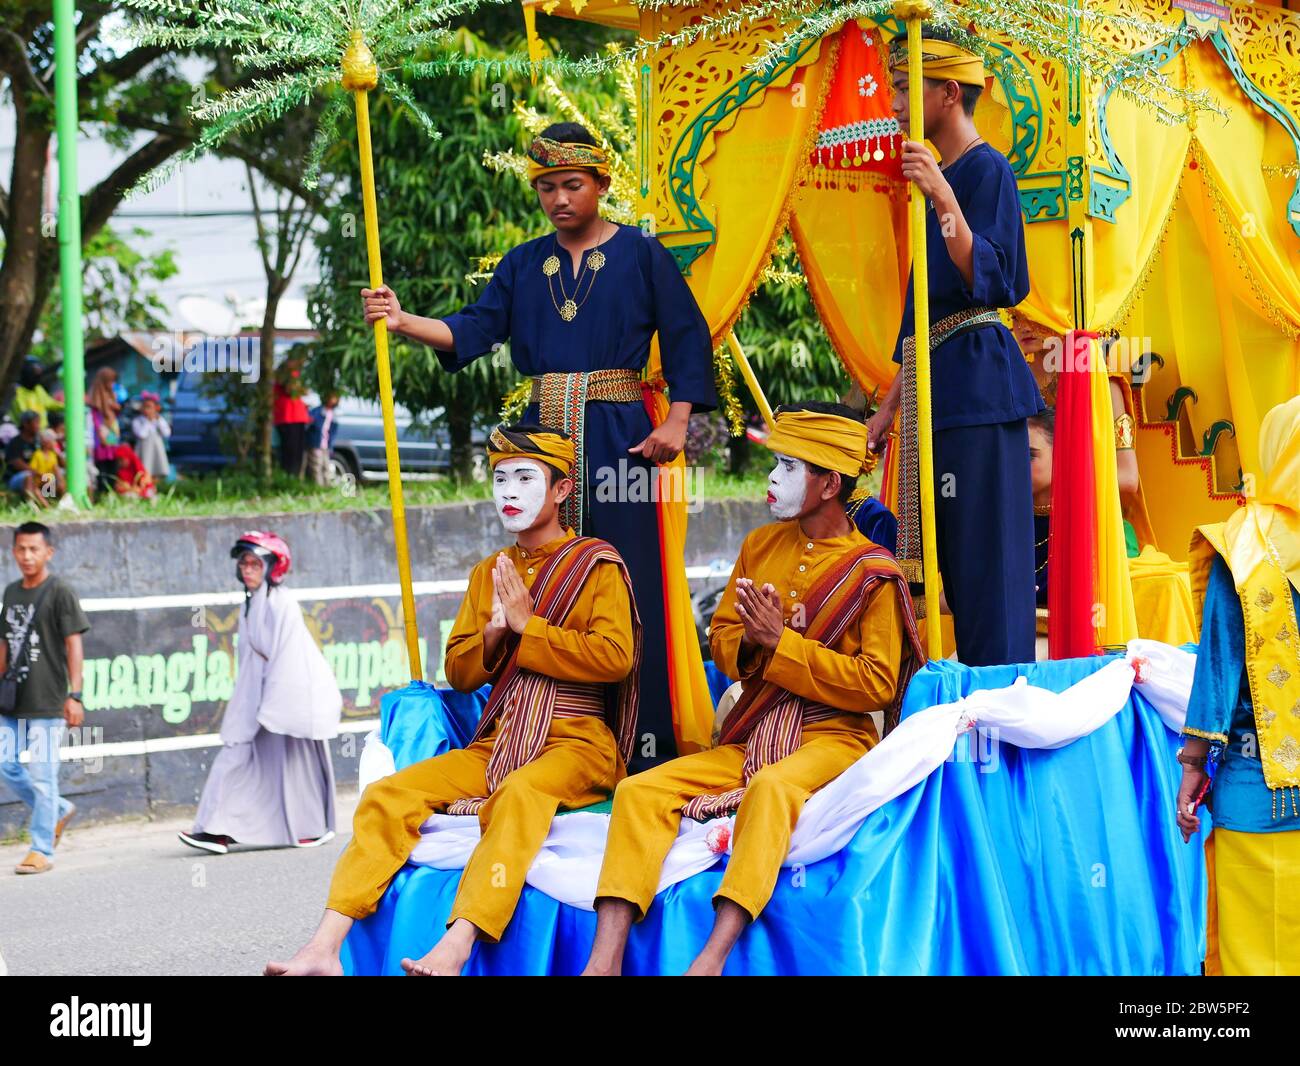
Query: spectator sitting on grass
47,470
119,465
18,455
59,429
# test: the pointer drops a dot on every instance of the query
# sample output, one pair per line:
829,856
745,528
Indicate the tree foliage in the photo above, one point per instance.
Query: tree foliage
440,210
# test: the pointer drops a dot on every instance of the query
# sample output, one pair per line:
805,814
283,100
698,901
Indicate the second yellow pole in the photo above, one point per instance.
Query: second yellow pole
914,13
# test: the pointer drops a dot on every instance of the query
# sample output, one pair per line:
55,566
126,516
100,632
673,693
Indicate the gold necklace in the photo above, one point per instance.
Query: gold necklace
551,268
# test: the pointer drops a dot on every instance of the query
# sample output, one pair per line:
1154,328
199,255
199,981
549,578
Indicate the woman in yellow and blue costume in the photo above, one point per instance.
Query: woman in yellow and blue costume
1244,713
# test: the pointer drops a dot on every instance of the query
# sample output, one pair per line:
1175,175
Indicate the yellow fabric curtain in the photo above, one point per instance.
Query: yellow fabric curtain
852,241
1124,253
1249,204
773,140
747,183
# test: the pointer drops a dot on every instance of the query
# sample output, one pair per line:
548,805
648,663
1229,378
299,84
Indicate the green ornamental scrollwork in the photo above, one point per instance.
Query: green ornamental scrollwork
685,154
1269,106
1112,184
1115,184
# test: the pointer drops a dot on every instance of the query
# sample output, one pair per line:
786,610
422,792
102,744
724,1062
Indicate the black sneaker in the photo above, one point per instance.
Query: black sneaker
207,842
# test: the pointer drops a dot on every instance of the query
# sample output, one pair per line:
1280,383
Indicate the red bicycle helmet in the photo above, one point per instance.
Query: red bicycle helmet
268,547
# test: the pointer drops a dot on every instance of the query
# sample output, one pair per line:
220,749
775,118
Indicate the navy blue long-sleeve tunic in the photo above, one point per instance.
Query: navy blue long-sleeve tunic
979,377
637,293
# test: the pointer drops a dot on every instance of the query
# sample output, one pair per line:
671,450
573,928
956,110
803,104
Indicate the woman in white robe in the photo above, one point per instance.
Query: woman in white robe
272,783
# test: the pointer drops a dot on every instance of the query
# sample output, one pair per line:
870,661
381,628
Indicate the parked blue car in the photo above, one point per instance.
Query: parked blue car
196,418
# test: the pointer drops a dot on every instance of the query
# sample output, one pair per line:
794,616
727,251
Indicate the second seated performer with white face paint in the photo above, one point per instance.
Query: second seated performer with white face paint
551,624
817,625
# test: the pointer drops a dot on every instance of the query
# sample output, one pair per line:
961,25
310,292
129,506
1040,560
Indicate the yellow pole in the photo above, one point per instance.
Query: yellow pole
914,12
747,372
360,76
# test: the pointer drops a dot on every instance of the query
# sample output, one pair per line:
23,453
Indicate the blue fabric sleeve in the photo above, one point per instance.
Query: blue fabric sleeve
1220,659
998,277
685,345
478,327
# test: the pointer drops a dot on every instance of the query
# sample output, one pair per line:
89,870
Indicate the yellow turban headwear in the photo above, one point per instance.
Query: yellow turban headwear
532,442
546,156
832,442
942,61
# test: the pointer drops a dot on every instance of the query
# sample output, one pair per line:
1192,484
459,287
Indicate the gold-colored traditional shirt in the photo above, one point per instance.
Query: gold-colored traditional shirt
860,673
594,644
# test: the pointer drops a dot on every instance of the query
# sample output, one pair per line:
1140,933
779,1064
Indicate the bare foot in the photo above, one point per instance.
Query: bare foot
309,962
595,969
448,956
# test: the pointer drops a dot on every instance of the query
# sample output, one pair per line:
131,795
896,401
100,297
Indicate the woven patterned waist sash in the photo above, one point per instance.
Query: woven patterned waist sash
778,734
562,404
909,462
950,325
577,699
609,386
521,730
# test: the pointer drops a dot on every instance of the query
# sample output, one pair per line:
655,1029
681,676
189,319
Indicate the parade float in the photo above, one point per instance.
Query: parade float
1019,819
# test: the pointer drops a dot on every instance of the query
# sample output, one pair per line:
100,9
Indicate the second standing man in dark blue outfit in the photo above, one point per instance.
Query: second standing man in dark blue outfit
981,387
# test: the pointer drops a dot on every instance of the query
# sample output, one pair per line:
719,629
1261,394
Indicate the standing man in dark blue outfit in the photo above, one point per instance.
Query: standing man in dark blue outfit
981,387
579,308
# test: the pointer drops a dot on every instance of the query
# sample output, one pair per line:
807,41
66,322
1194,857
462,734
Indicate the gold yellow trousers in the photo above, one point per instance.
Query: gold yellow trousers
648,812
579,765
1257,899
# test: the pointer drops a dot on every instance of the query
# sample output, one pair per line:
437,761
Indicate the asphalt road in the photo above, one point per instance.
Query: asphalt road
130,899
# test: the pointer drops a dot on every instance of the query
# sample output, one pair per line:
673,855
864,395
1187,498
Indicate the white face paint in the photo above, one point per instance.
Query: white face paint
519,489
787,486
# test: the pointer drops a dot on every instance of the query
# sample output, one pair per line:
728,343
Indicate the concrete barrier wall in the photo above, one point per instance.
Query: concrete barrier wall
163,604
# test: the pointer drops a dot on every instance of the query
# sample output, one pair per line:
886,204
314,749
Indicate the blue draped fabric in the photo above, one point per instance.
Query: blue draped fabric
1003,861
420,721
875,521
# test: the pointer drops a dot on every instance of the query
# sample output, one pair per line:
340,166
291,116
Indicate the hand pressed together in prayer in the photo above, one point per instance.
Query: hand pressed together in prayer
510,595
760,610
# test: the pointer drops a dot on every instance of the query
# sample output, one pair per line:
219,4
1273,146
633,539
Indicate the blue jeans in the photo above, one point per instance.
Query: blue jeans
37,783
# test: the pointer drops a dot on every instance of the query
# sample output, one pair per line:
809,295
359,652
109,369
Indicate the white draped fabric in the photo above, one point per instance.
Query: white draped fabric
568,866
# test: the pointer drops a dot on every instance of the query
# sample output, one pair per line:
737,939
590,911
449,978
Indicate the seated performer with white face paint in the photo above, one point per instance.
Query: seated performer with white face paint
817,624
551,624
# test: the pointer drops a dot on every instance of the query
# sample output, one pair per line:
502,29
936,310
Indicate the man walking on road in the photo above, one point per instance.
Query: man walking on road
41,623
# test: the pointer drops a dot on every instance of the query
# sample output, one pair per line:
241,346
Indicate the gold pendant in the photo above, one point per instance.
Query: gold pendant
596,260
569,311
552,265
